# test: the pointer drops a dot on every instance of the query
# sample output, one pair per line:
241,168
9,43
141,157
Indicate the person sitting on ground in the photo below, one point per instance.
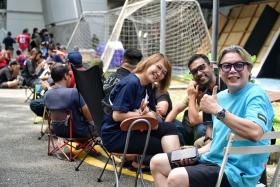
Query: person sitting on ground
4,55
128,101
60,97
243,108
195,123
8,75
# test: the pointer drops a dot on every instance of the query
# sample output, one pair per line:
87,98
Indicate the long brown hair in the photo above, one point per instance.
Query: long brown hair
144,64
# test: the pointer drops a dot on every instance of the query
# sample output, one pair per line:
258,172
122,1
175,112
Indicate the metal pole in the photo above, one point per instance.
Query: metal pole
215,26
162,25
214,45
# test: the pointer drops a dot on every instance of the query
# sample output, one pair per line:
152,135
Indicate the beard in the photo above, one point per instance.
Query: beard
204,83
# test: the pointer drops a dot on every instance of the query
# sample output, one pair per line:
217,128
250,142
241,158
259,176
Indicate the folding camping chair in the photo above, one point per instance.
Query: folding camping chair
45,117
90,86
250,150
29,93
59,142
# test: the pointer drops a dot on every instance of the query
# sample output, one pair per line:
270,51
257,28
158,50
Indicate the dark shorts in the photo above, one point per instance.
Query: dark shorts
202,174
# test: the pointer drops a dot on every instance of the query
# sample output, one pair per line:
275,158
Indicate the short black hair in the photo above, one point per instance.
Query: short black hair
18,52
13,63
9,33
197,56
133,56
58,72
24,31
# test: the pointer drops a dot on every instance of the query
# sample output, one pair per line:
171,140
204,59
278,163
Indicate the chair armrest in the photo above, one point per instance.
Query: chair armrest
141,125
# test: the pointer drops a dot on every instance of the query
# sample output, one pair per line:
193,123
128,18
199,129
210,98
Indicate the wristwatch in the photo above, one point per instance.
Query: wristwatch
221,115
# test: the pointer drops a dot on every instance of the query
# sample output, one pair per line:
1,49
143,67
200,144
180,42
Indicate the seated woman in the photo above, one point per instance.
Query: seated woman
126,101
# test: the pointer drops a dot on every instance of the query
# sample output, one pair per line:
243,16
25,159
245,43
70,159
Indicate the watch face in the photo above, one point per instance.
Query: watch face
221,115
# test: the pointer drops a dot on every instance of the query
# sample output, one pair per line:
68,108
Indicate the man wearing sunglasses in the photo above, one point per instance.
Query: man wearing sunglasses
243,108
195,124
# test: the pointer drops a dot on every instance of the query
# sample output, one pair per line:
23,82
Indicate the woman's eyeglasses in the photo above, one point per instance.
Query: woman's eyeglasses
194,71
238,66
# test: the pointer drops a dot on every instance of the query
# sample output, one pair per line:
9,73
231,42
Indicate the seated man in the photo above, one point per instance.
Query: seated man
60,97
32,70
128,64
195,123
9,74
131,58
243,108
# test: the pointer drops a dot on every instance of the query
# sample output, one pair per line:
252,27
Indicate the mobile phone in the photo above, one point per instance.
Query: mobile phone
186,153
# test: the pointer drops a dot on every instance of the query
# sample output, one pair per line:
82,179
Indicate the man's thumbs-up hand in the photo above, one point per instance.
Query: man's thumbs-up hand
209,103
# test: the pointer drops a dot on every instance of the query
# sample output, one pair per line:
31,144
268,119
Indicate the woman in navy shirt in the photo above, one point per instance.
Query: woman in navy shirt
126,101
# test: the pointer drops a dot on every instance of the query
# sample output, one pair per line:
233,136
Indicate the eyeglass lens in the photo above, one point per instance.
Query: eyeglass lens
199,68
238,66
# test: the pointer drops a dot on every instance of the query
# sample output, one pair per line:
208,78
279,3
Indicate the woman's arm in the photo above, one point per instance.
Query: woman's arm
120,116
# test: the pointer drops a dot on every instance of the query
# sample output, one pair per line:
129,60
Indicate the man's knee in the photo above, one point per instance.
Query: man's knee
178,177
159,161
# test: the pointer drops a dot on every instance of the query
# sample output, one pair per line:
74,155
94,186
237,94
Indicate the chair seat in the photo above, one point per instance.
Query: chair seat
141,126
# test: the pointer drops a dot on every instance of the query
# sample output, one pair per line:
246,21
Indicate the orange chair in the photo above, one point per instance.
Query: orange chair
131,124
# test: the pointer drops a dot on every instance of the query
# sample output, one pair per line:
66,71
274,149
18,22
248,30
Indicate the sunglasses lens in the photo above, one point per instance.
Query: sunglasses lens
239,66
226,67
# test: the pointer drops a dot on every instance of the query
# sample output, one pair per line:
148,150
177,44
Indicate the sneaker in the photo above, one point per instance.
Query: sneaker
37,120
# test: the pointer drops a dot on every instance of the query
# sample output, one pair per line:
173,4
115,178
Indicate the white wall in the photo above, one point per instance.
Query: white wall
16,22
56,11
24,14
94,5
25,5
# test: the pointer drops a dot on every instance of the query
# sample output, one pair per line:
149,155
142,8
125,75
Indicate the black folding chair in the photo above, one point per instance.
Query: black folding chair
89,84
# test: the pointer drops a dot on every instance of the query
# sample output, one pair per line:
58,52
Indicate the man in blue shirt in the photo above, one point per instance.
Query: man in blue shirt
60,97
244,109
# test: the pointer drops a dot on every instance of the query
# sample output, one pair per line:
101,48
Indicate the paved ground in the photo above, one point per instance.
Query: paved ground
24,160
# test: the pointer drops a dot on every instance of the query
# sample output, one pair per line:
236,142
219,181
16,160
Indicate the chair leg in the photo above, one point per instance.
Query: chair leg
43,132
87,152
100,176
115,171
139,172
109,158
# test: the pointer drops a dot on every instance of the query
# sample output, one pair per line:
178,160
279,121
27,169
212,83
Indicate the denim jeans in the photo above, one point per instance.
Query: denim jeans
199,130
187,134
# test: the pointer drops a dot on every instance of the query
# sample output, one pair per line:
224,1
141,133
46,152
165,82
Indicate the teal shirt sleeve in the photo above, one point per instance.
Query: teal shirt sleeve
260,111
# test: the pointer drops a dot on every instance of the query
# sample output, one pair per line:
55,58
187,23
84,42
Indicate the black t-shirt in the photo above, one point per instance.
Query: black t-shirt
5,75
164,97
112,80
8,41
